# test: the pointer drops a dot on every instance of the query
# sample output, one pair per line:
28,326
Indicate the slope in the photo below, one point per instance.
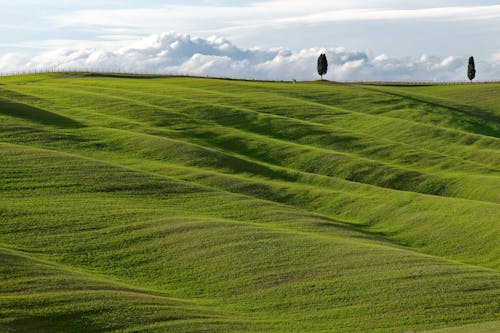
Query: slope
205,204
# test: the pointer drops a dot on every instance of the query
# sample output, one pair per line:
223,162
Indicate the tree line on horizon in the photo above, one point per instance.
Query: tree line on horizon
323,67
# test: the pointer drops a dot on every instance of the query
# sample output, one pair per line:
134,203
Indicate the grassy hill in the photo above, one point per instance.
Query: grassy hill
202,205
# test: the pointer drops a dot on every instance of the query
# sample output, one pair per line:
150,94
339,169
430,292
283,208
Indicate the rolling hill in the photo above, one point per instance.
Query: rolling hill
163,204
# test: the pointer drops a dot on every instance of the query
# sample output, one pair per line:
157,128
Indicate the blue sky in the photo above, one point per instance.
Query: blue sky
395,29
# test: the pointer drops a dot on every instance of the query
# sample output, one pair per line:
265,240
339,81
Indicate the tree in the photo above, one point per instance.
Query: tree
471,71
322,65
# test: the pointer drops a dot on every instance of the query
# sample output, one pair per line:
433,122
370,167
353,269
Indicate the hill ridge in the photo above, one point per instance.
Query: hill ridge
224,194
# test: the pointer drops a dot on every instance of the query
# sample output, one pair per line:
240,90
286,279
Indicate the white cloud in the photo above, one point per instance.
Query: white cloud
269,13
11,62
496,58
171,53
450,13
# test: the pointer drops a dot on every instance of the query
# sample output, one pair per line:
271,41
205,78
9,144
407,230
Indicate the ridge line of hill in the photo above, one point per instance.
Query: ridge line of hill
5,248
441,102
310,102
354,154
331,151
379,241
298,120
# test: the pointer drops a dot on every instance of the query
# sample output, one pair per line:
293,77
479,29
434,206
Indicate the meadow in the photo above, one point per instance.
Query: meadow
170,204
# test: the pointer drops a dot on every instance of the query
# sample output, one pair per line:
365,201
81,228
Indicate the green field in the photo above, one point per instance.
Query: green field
143,204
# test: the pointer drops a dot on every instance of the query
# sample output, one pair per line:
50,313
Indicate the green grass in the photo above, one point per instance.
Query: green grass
202,205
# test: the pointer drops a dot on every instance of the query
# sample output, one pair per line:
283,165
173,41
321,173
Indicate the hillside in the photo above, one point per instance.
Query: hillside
143,204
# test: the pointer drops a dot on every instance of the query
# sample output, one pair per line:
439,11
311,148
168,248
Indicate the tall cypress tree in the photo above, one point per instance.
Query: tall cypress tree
471,71
322,65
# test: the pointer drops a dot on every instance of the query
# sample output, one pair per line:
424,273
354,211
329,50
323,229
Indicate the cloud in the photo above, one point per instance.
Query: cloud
271,13
13,62
449,13
171,53
495,58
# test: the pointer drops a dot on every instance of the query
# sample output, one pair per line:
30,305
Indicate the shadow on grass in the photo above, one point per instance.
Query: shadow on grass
63,322
36,115
467,117
362,232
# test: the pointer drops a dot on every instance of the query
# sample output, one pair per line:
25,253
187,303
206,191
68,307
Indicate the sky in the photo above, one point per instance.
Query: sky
273,39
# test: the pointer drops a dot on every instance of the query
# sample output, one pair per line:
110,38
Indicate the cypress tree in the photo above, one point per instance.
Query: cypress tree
471,71
322,65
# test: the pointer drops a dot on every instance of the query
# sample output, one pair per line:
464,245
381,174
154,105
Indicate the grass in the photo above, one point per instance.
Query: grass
201,205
